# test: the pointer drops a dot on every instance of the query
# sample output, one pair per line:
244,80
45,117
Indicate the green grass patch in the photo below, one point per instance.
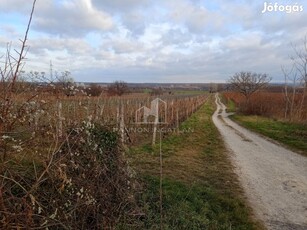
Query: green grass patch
200,189
290,134
189,92
191,207
231,106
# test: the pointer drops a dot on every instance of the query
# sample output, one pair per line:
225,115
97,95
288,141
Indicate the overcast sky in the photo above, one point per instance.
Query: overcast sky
154,40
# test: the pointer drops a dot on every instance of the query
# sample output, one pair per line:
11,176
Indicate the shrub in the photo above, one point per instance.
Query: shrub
94,90
156,91
264,103
85,185
118,88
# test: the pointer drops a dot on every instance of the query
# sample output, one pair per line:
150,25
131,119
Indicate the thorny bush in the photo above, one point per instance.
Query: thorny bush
86,184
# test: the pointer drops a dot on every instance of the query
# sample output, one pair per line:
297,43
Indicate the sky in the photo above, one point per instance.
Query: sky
164,41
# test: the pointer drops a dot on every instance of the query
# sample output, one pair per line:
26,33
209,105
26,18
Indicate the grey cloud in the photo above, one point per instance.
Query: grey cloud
10,31
173,40
176,37
135,22
286,22
125,46
15,6
197,19
72,18
72,45
119,5
133,14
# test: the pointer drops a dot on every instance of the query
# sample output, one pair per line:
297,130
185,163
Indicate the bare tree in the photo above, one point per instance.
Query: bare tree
290,92
66,83
117,88
247,83
295,88
300,69
213,87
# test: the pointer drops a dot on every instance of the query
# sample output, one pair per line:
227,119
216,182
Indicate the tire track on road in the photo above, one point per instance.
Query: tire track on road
274,178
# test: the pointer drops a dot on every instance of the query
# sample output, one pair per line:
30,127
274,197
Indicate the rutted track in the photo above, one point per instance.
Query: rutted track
274,178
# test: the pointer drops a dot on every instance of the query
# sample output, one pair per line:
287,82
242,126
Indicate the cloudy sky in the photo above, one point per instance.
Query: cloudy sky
155,40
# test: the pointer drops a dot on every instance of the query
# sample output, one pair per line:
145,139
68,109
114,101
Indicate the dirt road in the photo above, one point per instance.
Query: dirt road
274,178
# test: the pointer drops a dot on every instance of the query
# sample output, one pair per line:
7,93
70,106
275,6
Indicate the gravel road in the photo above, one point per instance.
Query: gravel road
274,179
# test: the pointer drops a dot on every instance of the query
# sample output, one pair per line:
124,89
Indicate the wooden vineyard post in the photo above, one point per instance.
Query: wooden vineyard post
88,109
122,123
36,119
101,110
117,113
172,103
177,119
60,121
156,123
96,113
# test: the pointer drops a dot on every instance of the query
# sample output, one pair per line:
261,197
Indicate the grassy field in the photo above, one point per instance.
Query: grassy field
290,134
188,92
200,189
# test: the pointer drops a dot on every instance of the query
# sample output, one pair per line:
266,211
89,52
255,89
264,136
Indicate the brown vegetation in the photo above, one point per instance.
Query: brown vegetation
118,88
247,83
59,169
94,90
156,91
268,104
55,173
83,183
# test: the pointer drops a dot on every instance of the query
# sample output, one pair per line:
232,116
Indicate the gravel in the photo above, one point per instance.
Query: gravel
274,178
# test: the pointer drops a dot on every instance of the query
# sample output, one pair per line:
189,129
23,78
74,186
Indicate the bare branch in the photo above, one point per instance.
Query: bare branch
23,47
117,88
248,83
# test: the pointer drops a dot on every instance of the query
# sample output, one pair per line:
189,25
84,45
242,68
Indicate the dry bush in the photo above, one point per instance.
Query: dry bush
269,104
94,90
118,88
156,91
261,103
85,184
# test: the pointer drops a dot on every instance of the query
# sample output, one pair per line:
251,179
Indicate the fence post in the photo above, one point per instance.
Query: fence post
60,120
156,123
122,123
